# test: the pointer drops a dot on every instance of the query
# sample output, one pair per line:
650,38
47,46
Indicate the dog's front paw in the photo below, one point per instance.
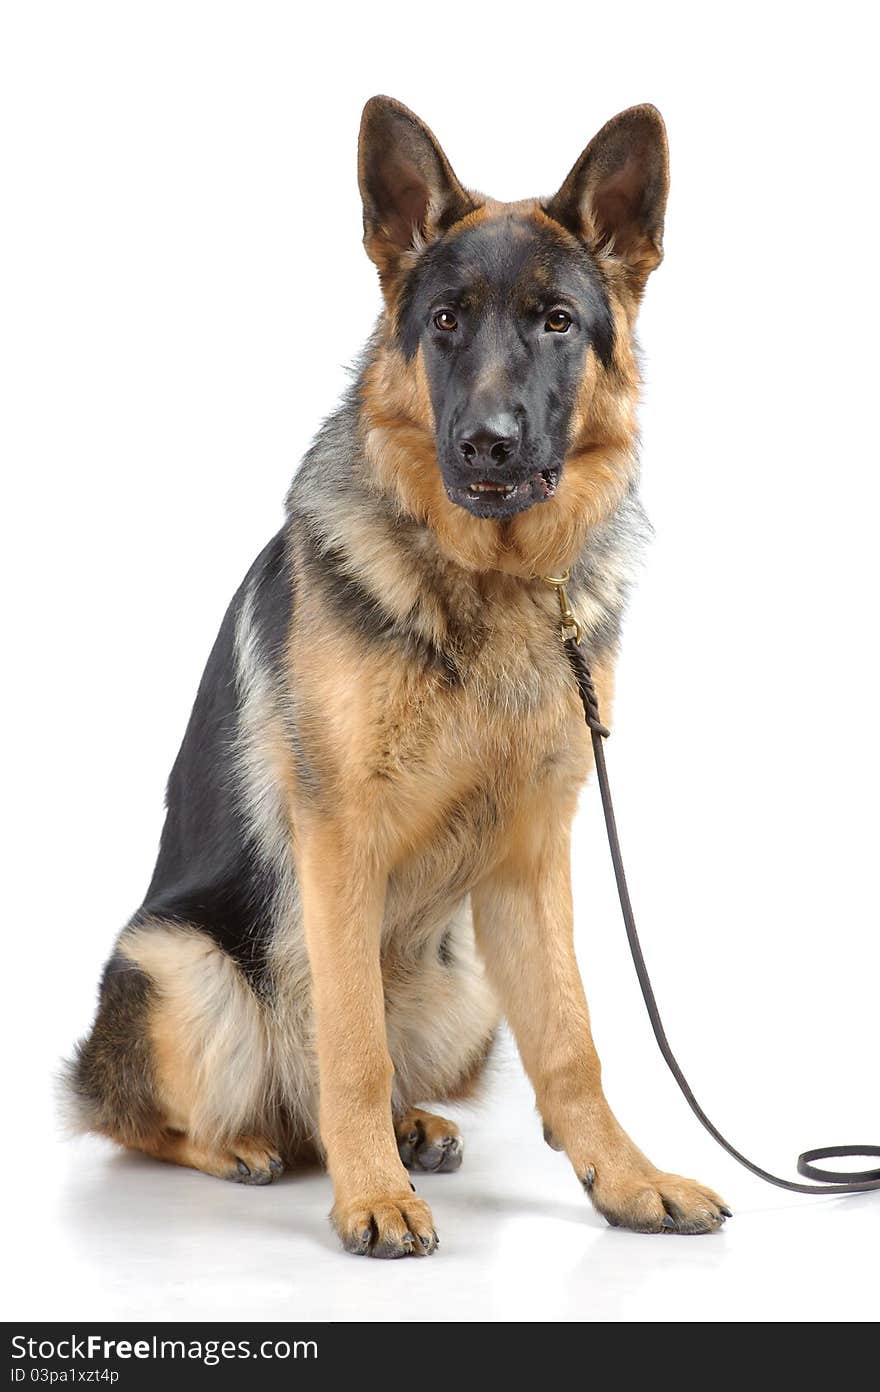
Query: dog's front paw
388,1225
652,1202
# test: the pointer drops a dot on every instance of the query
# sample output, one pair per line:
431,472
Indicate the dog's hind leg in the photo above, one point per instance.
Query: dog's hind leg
176,1064
248,1160
428,1142
441,1020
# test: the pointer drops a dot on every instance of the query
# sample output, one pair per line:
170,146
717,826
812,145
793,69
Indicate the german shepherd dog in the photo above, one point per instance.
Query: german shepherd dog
365,859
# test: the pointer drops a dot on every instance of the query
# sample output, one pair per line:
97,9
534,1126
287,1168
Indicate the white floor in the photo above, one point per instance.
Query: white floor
97,1234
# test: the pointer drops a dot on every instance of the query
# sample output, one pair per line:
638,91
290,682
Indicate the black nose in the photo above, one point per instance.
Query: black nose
492,441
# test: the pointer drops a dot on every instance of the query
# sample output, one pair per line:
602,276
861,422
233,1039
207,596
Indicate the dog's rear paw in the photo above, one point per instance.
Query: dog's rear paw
247,1160
386,1226
256,1162
428,1142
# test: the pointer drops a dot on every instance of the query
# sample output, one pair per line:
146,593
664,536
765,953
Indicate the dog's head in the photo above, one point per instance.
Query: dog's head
510,324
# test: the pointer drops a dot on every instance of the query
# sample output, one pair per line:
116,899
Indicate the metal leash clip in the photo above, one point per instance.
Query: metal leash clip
568,624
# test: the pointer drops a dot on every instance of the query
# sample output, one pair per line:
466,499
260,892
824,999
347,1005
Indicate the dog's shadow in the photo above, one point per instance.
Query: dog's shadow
120,1200
124,1199
448,1200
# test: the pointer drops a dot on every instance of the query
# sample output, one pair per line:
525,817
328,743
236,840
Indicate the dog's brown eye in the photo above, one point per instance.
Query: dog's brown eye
445,319
558,321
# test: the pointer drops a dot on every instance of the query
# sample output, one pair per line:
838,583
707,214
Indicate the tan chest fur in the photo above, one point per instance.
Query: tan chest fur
436,778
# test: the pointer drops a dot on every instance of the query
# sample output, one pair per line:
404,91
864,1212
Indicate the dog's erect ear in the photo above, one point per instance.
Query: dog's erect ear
409,191
615,196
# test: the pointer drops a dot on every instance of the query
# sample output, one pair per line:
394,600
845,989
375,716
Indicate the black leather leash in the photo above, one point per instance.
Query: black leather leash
829,1181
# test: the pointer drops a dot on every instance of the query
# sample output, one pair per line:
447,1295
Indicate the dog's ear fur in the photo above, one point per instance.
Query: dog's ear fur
615,196
409,191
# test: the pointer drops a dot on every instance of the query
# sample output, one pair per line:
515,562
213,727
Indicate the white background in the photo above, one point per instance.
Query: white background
183,287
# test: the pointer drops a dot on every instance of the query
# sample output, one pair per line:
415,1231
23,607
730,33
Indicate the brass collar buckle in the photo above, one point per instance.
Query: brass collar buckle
568,624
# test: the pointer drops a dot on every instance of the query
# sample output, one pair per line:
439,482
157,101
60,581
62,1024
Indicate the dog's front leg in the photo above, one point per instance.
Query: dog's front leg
523,924
375,1211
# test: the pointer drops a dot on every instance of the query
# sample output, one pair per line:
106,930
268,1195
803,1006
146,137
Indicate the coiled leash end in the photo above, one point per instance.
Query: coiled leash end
826,1181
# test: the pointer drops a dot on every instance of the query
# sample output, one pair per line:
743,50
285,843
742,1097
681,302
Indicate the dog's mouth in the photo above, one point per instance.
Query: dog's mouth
498,498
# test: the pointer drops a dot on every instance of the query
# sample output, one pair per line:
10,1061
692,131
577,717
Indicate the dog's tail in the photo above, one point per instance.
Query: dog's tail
107,1087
